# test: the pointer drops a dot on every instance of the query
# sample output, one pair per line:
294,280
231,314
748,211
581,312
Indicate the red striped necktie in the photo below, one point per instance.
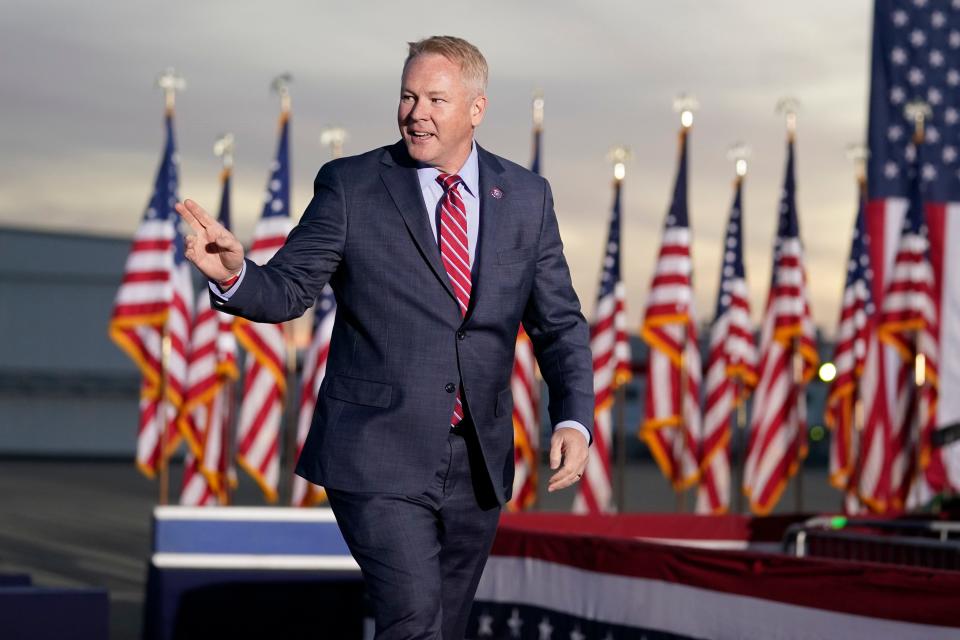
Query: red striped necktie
454,250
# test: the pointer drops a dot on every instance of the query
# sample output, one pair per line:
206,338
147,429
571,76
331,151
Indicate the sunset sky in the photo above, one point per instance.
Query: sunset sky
81,126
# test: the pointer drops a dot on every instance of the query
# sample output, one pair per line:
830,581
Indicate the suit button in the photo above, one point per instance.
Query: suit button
461,334
450,388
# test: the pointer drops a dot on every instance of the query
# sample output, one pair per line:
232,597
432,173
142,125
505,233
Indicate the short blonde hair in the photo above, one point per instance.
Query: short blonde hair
473,65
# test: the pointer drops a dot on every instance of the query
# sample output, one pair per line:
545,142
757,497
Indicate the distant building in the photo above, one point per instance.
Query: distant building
65,388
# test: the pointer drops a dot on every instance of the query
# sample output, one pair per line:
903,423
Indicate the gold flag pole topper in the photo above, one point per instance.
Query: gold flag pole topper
333,138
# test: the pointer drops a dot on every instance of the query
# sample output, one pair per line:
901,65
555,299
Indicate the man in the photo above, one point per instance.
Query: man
436,250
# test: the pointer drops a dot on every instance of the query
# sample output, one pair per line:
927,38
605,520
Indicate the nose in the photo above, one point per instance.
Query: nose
420,110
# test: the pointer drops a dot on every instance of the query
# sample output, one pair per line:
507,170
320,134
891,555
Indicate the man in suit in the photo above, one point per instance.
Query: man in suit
436,250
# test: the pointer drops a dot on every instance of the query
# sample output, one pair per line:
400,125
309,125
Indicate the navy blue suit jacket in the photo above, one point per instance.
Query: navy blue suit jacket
399,344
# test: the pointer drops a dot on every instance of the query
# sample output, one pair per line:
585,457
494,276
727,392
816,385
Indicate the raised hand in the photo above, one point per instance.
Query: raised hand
216,252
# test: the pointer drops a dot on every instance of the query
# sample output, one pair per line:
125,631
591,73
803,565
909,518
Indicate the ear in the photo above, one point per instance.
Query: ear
478,109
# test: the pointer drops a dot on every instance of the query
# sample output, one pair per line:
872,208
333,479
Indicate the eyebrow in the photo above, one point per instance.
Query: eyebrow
431,94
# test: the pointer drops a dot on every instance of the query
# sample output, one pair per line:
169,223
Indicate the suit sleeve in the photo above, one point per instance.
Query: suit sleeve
290,282
557,328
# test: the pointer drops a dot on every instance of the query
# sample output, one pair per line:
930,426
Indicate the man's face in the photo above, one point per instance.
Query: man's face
438,112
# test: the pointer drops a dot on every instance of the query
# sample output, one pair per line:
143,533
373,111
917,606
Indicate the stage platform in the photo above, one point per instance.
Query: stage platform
78,524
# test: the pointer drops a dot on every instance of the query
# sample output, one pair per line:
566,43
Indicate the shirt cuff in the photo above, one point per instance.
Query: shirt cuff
573,424
225,295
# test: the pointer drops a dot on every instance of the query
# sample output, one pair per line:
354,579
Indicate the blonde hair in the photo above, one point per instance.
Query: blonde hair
473,65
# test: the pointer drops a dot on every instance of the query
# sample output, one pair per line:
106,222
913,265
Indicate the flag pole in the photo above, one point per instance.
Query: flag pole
685,105
619,396
797,362
739,153
162,417
223,149
918,111
618,155
679,443
740,426
288,435
788,108
858,154
230,430
170,83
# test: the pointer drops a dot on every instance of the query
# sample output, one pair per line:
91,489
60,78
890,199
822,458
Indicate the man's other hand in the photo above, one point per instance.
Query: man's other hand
568,448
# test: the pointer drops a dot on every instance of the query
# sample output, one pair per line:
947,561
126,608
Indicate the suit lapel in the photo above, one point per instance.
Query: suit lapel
493,192
400,178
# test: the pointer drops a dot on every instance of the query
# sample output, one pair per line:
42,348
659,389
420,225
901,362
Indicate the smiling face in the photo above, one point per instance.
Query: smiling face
438,112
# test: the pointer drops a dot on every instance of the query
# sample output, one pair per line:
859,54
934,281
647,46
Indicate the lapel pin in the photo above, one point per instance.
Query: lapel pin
496,193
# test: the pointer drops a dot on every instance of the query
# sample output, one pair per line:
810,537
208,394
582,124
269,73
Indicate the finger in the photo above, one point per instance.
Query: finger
201,216
556,452
190,250
187,216
563,479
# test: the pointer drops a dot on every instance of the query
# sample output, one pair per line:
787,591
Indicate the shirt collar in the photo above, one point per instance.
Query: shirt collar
469,172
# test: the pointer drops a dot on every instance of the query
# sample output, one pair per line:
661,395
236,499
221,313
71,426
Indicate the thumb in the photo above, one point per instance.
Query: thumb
555,452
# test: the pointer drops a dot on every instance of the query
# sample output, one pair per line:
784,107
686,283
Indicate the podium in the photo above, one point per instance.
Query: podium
239,571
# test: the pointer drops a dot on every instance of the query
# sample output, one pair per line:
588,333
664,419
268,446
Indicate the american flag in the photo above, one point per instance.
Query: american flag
731,366
264,383
153,300
526,423
671,426
611,369
525,387
306,494
850,355
208,407
916,56
908,323
788,360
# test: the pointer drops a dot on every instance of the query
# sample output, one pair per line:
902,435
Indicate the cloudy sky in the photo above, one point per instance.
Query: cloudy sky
81,124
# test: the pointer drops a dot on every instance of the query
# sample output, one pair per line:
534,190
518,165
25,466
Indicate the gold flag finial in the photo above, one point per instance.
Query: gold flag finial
171,82
281,86
858,153
918,112
619,155
334,137
788,106
739,153
538,109
223,149
685,105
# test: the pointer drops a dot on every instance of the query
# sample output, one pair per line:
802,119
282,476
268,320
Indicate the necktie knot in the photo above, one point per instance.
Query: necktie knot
448,180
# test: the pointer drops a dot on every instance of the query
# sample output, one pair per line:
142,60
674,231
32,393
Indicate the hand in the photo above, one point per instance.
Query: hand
569,447
216,252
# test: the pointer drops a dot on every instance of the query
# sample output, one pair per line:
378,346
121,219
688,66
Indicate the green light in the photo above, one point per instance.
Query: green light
838,522
817,433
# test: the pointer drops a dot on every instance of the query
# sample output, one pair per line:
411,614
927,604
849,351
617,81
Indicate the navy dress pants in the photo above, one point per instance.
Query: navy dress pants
421,556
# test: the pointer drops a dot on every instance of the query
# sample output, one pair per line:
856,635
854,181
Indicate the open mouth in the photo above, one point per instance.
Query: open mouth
419,135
